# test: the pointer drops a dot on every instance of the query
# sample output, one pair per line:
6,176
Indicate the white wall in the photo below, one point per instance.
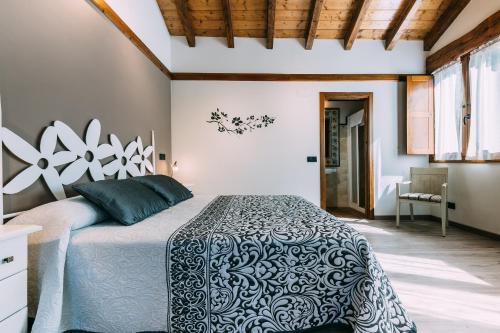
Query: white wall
211,55
475,188
473,14
145,19
273,160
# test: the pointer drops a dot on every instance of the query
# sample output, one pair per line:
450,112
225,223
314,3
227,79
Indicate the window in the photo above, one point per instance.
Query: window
467,107
484,78
448,104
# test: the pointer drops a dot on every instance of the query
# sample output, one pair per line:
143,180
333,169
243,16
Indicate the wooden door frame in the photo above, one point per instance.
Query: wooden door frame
368,141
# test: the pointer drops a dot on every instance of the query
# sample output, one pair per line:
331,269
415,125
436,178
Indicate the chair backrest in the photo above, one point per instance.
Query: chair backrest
428,180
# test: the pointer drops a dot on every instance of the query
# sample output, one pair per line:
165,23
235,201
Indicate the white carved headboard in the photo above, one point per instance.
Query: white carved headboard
80,156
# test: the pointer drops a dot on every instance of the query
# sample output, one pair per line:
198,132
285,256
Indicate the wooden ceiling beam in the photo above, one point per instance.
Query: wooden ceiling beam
401,22
129,34
287,77
443,22
271,17
186,20
355,24
228,23
317,5
485,32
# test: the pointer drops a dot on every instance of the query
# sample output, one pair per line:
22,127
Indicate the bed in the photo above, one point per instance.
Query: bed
209,264
243,263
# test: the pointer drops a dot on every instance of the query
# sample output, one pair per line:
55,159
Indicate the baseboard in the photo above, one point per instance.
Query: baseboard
467,228
403,217
438,220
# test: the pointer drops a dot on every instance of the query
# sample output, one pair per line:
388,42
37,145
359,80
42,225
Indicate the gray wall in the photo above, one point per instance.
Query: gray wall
63,60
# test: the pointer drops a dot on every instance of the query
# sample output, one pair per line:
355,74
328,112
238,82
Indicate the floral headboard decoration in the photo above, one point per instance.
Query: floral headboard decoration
79,156
239,125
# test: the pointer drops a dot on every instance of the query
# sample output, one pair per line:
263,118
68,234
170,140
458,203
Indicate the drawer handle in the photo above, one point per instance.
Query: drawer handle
8,260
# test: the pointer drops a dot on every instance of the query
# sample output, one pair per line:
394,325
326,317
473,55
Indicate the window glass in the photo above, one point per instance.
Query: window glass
448,102
484,74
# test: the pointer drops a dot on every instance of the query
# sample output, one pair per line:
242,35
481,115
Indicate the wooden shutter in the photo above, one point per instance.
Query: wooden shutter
419,114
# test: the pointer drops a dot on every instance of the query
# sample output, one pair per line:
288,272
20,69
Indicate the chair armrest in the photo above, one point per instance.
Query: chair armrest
444,190
398,186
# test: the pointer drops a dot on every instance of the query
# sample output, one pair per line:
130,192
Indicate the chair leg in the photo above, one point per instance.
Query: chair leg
411,212
444,218
397,212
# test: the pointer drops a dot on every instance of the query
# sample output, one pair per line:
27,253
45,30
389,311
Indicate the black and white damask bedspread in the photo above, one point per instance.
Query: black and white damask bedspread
275,264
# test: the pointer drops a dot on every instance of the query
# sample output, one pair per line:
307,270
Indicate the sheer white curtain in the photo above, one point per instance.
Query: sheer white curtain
484,72
448,101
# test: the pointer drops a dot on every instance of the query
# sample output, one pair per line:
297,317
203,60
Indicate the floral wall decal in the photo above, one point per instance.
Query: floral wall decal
237,125
123,162
79,157
142,159
88,153
42,163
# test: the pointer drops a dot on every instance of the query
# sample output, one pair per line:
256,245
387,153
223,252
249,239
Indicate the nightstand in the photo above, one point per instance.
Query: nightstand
14,277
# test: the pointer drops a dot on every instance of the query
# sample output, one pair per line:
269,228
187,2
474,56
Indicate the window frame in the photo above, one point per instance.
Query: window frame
466,110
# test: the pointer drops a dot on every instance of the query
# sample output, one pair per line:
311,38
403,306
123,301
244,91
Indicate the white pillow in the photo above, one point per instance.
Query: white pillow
76,212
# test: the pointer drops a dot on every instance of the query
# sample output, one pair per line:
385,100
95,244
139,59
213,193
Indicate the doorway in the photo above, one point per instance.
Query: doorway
346,168
355,161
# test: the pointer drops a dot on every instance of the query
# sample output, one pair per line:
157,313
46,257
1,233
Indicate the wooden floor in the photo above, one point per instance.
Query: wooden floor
449,284
346,212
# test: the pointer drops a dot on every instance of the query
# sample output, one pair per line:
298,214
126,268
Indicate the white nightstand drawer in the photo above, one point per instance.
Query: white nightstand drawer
17,323
14,294
13,256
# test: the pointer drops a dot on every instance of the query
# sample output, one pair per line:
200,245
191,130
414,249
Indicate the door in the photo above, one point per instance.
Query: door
356,160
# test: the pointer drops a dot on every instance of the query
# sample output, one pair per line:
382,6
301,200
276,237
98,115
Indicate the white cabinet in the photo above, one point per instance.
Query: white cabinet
15,323
14,277
14,294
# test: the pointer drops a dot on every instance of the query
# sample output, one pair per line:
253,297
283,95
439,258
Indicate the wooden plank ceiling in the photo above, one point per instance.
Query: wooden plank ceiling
388,20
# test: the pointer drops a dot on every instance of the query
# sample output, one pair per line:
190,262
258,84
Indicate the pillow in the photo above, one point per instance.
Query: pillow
169,188
76,212
125,200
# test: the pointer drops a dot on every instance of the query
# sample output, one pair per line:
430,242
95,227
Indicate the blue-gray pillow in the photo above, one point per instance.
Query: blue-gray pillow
169,188
125,200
